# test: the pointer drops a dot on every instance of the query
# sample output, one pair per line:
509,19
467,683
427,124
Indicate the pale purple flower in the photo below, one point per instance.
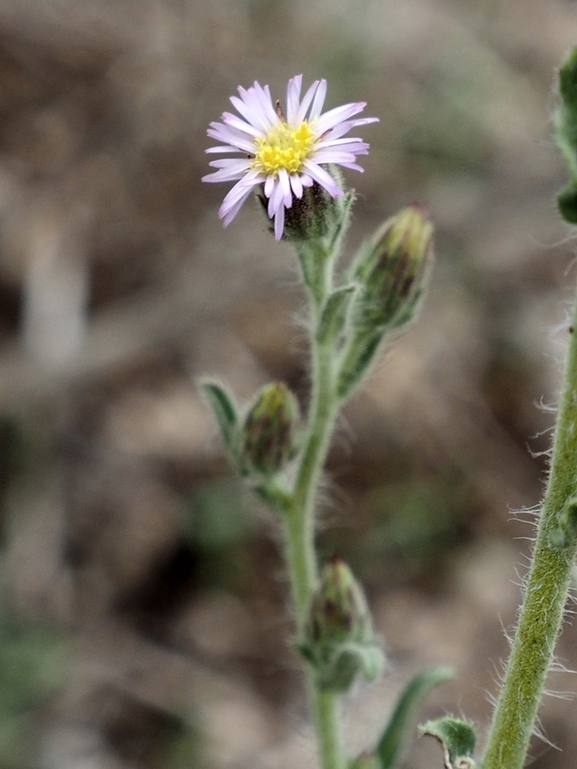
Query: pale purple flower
283,153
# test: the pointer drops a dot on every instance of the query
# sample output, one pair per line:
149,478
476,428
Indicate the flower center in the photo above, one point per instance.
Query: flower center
284,147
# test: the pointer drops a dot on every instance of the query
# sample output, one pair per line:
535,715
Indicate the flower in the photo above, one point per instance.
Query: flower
282,153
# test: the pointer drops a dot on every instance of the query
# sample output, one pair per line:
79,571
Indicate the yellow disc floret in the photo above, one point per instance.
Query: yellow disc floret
284,147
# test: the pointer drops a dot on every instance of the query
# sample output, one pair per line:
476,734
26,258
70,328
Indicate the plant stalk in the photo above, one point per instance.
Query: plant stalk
300,522
545,594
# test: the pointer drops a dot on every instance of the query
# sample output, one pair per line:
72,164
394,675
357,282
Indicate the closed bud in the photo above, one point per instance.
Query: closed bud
268,436
393,269
339,640
391,273
339,610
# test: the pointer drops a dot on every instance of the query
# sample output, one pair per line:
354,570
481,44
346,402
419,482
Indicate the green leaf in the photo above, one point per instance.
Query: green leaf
345,665
566,134
223,408
392,743
567,203
568,80
458,739
335,312
275,494
358,356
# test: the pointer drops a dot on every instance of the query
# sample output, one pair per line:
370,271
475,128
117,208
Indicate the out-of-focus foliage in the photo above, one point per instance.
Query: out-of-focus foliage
31,671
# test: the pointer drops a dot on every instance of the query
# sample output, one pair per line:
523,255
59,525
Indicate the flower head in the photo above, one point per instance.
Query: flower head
268,434
338,638
394,269
283,153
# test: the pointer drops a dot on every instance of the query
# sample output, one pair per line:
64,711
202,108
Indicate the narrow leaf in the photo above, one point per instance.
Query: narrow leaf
392,743
335,312
566,134
223,408
358,355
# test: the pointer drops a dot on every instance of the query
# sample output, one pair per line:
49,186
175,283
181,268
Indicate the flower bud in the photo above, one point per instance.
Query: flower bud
391,272
339,610
393,269
268,436
339,641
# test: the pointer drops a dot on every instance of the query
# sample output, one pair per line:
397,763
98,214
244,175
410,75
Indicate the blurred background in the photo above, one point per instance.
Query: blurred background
144,620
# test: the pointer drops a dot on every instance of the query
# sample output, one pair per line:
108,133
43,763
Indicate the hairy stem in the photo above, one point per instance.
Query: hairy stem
300,522
545,595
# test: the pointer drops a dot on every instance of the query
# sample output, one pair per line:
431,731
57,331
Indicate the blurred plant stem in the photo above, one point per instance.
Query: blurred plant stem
545,591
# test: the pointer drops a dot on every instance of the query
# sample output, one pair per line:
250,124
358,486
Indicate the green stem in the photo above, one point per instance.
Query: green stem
326,707
300,522
545,595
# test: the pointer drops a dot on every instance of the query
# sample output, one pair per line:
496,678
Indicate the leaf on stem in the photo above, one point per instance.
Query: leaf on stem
566,134
335,314
275,494
457,738
223,408
393,740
